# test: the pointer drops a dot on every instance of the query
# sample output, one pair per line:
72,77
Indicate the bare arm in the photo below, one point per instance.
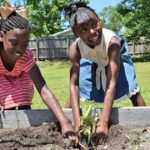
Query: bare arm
74,56
51,101
112,74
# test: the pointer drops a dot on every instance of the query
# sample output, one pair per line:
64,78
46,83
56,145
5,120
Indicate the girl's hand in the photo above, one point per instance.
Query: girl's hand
101,133
70,133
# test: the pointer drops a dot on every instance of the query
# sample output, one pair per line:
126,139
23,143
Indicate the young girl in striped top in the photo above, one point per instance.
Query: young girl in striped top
18,70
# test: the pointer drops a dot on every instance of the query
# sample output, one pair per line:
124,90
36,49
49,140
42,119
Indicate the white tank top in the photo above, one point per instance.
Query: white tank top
98,54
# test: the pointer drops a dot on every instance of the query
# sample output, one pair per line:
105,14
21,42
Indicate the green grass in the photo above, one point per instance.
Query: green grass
56,75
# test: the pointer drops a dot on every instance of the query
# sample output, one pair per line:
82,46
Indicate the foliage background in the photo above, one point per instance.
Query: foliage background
130,16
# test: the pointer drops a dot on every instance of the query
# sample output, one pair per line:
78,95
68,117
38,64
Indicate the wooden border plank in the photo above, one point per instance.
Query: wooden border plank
128,117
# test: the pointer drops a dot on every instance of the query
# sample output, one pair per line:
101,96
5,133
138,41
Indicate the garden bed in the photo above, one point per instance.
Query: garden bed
35,130
48,137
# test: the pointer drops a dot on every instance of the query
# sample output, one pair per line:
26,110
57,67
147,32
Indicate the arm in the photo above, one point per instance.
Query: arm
50,100
112,74
74,56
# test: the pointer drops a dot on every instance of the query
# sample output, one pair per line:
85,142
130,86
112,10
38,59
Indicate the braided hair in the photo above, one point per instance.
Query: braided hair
14,20
78,13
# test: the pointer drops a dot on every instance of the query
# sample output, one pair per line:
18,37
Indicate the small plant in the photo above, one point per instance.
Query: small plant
88,124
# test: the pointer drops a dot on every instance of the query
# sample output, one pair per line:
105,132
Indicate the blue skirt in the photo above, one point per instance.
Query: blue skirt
126,81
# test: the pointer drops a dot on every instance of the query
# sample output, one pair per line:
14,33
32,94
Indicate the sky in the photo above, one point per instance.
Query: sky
98,5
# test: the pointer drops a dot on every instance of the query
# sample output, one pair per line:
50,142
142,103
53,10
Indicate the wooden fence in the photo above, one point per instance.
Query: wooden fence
140,48
50,48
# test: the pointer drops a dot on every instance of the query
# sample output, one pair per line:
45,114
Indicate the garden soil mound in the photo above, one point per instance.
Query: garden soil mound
48,137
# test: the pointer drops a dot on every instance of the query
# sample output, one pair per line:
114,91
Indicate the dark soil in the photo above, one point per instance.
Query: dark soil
48,137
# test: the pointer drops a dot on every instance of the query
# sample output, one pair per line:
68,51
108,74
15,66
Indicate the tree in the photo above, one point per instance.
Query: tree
131,15
136,18
45,16
111,19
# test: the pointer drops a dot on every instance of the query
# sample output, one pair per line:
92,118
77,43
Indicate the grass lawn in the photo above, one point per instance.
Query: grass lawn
56,75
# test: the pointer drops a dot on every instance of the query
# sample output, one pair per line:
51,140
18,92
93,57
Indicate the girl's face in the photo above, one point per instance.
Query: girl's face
91,31
15,43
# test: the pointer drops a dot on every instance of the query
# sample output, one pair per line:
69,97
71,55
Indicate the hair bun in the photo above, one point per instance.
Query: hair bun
72,8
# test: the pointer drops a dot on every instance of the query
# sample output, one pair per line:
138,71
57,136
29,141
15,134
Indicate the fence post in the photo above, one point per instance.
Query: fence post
133,49
68,44
37,48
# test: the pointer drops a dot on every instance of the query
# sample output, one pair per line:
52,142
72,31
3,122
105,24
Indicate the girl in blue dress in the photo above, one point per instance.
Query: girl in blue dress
100,67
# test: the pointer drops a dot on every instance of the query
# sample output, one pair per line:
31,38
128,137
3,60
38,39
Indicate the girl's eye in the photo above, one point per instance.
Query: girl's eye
95,24
83,30
13,43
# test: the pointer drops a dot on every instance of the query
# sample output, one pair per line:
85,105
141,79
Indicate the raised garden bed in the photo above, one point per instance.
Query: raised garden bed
36,130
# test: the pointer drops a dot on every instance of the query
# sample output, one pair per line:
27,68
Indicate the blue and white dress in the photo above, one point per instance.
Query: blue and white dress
93,69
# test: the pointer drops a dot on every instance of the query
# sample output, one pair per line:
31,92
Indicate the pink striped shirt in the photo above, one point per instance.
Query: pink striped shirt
16,86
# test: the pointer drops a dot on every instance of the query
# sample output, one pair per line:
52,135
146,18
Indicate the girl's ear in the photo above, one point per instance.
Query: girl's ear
1,36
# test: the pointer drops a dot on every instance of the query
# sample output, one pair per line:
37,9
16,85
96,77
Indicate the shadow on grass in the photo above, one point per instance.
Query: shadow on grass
141,58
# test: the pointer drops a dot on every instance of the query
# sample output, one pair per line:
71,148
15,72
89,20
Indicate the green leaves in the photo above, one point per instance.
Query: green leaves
88,124
131,17
111,19
136,19
46,16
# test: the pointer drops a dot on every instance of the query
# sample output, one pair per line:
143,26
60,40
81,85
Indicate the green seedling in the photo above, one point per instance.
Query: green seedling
88,124
94,122
87,133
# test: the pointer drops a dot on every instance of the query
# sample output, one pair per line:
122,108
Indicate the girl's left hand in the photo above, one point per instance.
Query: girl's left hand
68,131
101,133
